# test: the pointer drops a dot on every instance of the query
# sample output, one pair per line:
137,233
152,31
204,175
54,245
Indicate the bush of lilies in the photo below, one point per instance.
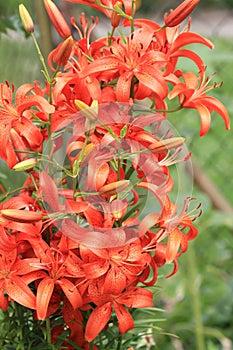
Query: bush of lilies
86,234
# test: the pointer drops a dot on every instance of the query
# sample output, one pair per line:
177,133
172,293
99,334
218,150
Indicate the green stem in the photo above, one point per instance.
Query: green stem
20,325
194,291
9,193
48,331
132,16
119,343
176,109
111,36
41,57
116,9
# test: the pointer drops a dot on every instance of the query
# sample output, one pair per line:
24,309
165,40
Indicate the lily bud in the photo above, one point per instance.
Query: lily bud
25,164
114,187
118,208
116,17
57,19
164,145
24,216
64,52
26,19
90,112
182,11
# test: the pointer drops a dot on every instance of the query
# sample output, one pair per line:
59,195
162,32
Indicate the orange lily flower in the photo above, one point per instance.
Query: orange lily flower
60,268
114,268
12,271
132,298
192,94
177,228
171,41
17,131
129,60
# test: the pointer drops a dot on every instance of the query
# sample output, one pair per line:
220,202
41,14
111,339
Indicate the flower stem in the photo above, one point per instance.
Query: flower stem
48,331
132,16
9,193
194,291
119,343
110,38
45,70
173,110
19,316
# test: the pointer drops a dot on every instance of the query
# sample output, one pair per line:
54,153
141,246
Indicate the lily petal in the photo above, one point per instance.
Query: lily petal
18,290
125,319
71,292
44,293
205,117
97,321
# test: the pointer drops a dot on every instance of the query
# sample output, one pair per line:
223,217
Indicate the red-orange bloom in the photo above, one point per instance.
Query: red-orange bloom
12,271
192,94
17,131
117,267
60,268
129,60
132,298
171,41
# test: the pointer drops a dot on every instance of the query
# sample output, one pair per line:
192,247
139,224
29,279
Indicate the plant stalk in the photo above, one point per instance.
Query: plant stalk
194,291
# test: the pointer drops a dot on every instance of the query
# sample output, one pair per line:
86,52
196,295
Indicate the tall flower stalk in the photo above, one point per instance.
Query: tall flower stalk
84,238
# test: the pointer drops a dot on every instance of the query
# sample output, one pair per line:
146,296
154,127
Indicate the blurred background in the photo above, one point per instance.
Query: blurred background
197,302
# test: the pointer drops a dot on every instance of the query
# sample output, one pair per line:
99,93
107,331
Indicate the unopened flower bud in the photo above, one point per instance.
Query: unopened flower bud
24,216
116,17
118,208
26,19
90,112
167,144
26,164
57,19
181,12
114,187
63,52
